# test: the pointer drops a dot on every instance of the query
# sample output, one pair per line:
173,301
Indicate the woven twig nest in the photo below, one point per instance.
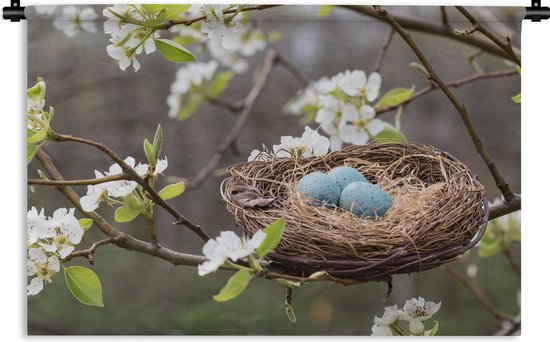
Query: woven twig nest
439,211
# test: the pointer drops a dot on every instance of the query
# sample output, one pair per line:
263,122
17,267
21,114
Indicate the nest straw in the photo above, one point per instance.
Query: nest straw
439,211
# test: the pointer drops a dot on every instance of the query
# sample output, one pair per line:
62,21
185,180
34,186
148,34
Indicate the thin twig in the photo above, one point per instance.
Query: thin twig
189,22
383,50
444,17
152,232
505,45
479,295
250,100
293,69
126,169
511,261
453,84
231,106
89,253
427,26
460,108
79,182
508,328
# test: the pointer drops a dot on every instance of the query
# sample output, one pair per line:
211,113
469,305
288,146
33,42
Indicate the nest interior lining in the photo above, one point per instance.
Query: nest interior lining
439,208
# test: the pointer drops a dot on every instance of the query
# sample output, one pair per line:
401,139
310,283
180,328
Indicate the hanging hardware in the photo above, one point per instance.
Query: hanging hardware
536,12
15,12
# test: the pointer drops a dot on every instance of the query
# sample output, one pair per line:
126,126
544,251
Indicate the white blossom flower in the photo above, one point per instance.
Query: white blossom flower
113,25
187,77
228,246
69,232
355,83
330,117
251,42
312,95
228,58
39,265
381,330
362,124
38,227
254,155
228,34
416,311
391,314
73,20
309,144
94,194
124,55
45,9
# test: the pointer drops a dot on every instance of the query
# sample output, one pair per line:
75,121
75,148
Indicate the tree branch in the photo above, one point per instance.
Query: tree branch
189,22
382,53
79,182
460,108
122,240
479,296
505,207
422,25
248,104
506,46
126,169
453,84
89,253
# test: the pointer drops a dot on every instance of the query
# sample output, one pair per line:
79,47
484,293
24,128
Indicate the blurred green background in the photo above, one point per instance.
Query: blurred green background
93,98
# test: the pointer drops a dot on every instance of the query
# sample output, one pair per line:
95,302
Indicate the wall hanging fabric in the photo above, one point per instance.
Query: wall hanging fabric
268,152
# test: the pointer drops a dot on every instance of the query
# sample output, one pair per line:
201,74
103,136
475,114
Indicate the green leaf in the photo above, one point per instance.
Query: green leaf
184,40
85,223
219,84
274,234
123,214
190,106
234,287
171,11
157,142
38,136
419,67
518,68
433,330
325,10
149,152
172,190
31,151
390,133
132,202
274,36
84,285
174,52
37,92
396,97
516,98
487,249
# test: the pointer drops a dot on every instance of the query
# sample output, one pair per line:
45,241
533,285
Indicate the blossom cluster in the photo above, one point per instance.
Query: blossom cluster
49,240
500,232
228,246
127,39
229,39
119,188
72,19
310,144
415,311
189,79
342,106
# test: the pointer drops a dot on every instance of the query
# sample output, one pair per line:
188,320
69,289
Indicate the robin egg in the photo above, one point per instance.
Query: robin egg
365,200
320,188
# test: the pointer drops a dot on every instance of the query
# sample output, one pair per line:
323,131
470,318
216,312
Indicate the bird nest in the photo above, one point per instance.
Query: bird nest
439,211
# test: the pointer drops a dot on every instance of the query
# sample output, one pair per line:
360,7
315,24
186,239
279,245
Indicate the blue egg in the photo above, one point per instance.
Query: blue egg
365,200
345,175
320,188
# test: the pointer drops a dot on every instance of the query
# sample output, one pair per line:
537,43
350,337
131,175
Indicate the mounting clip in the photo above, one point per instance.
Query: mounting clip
15,12
536,12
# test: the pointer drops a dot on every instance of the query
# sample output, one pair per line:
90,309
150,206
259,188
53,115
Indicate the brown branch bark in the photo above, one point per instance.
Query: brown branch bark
453,84
89,252
505,207
506,45
194,20
383,50
430,27
479,295
515,266
460,108
122,239
248,104
79,182
126,169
